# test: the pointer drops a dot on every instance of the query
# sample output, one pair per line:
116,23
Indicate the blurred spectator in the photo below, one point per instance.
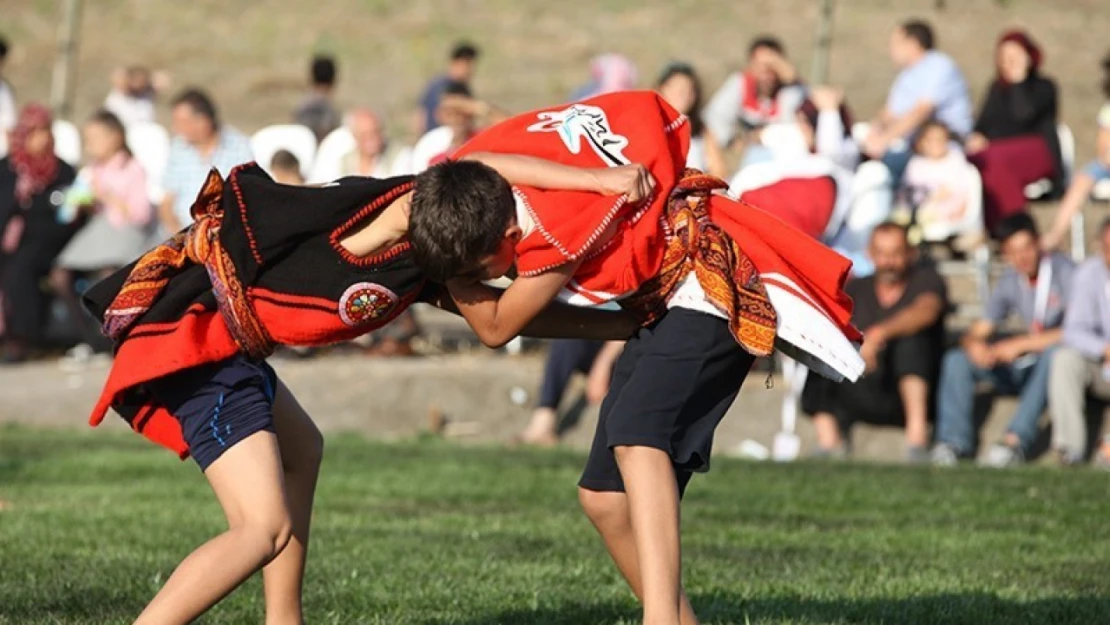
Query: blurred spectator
286,169
1084,181
937,186
929,86
374,155
1015,142
767,90
608,73
34,229
1034,287
8,111
460,70
111,189
901,312
200,143
681,88
1081,365
134,90
595,359
317,111
826,126
459,114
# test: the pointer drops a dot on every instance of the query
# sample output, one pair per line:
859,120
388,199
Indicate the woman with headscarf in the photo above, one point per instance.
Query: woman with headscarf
32,186
1015,141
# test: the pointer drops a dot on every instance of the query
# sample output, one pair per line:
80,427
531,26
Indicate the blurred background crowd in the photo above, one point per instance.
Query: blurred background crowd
929,178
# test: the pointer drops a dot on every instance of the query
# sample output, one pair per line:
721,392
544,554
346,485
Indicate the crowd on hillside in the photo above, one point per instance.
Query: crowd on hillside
926,169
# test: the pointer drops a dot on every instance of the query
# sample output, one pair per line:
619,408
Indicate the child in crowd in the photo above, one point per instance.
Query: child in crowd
286,169
1085,180
194,320
714,281
937,185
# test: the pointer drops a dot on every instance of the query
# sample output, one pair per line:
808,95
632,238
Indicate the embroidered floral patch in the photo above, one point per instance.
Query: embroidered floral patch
365,302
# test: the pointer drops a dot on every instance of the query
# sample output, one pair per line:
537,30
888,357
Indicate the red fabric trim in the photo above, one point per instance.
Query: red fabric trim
366,261
233,177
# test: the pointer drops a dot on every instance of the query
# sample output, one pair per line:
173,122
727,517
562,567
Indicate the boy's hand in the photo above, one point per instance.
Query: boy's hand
633,181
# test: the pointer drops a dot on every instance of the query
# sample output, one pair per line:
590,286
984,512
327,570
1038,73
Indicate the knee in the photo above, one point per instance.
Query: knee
1065,364
268,534
605,509
956,363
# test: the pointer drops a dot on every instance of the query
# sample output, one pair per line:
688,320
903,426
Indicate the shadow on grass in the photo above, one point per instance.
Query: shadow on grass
718,609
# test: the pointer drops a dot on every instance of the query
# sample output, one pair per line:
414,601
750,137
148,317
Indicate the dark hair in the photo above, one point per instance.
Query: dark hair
810,111
1016,224
285,160
3,47
323,71
928,125
697,125
892,226
200,103
1106,75
921,32
460,210
108,119
456,87
464,51
766,41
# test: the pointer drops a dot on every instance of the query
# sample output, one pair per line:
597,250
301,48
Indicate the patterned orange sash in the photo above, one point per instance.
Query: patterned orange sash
729,278
200,245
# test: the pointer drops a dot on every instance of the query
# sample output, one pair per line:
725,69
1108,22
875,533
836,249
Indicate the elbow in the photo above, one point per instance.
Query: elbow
494,339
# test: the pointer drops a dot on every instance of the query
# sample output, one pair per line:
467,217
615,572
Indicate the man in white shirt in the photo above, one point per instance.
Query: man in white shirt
8,112
373,155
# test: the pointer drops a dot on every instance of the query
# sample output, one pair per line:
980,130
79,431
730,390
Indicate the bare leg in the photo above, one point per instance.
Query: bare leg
914,391
1076,197
828,431
652,488
302,449
542,430
609,513
247,480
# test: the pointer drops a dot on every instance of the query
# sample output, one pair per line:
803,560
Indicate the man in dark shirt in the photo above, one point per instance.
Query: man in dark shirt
900,310
461,69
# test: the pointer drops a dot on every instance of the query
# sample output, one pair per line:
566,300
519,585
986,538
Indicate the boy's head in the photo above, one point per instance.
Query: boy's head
463,223
322,72
1018,240
932,140
286,168
1106,75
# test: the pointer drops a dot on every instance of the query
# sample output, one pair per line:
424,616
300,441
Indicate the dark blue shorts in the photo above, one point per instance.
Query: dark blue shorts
219,404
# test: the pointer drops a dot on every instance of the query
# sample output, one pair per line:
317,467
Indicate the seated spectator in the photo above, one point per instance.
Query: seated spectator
134,90
929,86
681,88
459,116
286,169
1015,142
1097,170
595,359
373,155
608,73
766,91
937,186
464,59
200,143
111,189
1081,364
1034,287
8,112
900,310
317,111
33,231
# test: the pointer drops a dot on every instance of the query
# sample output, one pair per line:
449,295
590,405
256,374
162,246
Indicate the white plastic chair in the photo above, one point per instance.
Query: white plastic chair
150,144
1039,189
328,164
3,143
67,141
1101,192
293,138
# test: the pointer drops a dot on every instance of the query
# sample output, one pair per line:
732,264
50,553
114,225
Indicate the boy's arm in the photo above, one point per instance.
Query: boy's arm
559,320
497,320
631,180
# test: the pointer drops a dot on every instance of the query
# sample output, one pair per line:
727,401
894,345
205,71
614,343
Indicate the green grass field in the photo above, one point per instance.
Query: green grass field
430,533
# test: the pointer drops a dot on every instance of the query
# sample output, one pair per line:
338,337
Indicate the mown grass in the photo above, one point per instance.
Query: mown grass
425,532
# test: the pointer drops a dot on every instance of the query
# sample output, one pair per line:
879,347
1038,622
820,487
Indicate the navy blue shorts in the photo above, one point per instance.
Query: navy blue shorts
219,404
671,386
